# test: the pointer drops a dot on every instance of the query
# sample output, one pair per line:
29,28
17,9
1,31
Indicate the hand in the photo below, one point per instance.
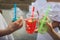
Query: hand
16,25
50,27
36,30
52,32
12,27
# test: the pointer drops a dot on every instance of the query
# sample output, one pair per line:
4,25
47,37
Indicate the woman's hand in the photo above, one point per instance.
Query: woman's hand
51,30
12,27
16,25
50,27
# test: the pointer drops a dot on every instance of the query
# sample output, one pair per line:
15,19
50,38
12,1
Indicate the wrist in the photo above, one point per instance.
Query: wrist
12,27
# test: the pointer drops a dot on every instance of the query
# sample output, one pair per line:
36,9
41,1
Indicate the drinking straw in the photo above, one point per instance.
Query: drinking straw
33,8
38,14
14,19
15,10
43,20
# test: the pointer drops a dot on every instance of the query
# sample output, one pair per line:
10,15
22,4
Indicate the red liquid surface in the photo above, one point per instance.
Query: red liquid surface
30,26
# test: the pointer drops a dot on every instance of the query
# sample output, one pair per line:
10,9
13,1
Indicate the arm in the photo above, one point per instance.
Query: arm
54,35
11,28
51,31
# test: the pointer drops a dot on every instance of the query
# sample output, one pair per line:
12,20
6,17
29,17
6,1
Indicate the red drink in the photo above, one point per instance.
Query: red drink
30,25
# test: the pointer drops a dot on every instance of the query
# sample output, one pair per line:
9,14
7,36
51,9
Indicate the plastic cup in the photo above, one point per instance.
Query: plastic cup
30,25
44,29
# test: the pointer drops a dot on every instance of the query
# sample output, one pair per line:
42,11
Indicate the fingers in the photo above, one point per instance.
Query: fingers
36,30
49,24
50,27
20,25
19,21
47,18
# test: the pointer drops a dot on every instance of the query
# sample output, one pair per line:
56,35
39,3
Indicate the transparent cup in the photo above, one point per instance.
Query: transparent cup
30,25
44,27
